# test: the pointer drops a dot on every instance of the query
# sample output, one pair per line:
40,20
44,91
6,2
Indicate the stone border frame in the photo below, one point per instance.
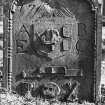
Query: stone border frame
7,50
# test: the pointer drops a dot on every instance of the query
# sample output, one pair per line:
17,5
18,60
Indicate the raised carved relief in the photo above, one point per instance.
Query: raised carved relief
51,44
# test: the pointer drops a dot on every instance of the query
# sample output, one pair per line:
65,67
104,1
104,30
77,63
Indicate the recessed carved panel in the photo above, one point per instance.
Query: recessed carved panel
53,41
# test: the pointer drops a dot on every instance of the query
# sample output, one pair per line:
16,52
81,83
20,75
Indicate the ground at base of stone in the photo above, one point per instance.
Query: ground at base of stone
14,99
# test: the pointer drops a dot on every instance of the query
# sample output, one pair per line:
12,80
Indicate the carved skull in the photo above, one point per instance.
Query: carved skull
51,89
